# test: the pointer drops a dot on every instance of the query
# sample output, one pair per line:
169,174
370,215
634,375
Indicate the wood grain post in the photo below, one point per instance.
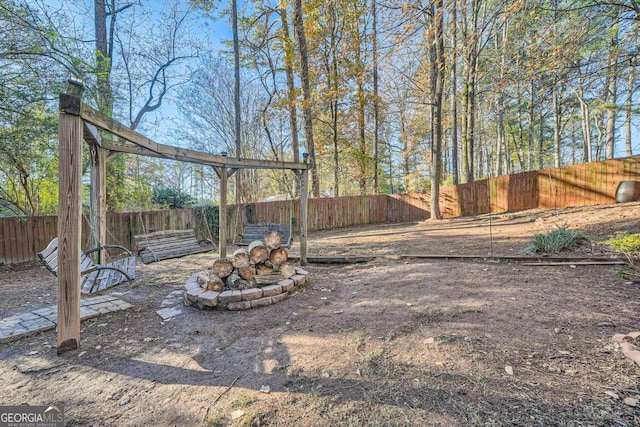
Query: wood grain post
304,190
69,222
222,222
98,190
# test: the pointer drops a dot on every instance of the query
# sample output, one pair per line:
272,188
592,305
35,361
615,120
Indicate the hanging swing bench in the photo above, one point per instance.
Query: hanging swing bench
257,231
95,277
161,245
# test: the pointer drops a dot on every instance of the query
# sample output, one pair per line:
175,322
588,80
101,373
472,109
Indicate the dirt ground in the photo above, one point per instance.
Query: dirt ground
404,342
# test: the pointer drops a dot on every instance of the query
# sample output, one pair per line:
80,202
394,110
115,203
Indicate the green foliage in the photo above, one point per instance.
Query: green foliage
207,219
116,183
250,212
624,242
29,163
171,198
629,245
556,241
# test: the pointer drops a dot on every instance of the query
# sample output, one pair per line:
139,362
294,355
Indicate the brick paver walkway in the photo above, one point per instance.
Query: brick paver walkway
24,324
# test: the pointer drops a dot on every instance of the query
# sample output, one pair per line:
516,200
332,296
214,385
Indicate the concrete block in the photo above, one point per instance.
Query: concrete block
299,279
251,294
38,325
271,290
12,334
192,294
262,302
301,271
242,305
277,298
209,298
87,313
287,285
229,296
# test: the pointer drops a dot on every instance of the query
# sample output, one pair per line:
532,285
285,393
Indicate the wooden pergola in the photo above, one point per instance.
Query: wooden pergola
78,122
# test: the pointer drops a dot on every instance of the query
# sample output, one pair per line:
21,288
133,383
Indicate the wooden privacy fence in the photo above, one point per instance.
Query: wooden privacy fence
586,184
20,240
580,185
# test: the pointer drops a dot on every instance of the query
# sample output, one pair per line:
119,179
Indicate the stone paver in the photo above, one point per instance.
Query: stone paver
24,324
168,313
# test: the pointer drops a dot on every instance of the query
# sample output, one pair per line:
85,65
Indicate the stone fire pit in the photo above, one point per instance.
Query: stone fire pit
244,299
254,277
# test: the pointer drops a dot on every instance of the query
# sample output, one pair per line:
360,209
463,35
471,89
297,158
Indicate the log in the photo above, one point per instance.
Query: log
287,270
267,279
247,273
278,256
209,280
222,267
234,281
262,269
258,252
273,240
241,259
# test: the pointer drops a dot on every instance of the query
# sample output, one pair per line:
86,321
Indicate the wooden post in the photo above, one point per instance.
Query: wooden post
98,190
69,222
304,190
222,222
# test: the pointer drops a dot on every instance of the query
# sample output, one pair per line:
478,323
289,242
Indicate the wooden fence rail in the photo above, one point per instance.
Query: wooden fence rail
579,185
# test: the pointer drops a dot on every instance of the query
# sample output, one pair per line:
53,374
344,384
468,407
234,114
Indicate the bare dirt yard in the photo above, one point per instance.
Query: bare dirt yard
391,342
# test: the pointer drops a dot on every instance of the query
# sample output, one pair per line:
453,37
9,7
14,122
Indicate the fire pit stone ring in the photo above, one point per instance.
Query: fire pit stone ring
246,299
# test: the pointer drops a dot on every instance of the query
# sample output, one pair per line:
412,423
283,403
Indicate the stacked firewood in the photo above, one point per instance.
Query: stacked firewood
262,263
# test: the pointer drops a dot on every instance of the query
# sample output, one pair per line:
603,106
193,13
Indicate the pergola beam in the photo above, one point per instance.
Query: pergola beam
135,143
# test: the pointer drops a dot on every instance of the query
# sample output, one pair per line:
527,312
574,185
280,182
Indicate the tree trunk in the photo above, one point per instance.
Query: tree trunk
436,63
532,120
306,94
557,127
454,94
629,111
586,123
234,281
273,240
279,256
222,267
240,259
500,140
236,96
287,270
247,273
291,88
374,36
258,252
266,279
263,269
611,97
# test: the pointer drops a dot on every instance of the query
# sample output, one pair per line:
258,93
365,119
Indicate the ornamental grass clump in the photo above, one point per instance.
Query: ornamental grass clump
556,241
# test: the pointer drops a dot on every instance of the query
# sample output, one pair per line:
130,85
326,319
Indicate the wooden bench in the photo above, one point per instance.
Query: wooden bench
251,232
95,277
159,245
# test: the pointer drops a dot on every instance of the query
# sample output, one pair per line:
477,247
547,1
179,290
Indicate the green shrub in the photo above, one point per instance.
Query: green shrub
624,242
556,241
